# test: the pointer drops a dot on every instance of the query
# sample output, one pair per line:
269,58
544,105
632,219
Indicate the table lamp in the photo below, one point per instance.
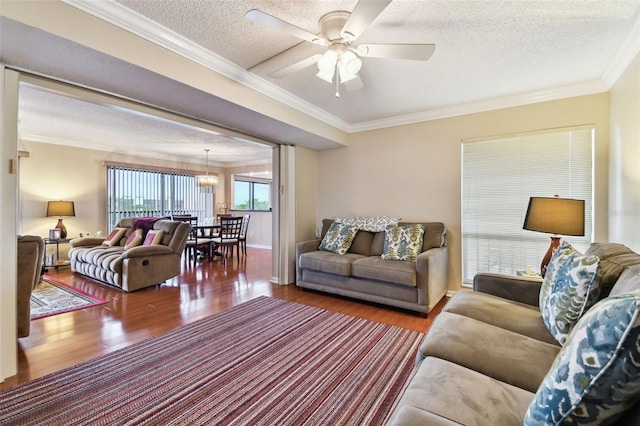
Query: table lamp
557,216
59,209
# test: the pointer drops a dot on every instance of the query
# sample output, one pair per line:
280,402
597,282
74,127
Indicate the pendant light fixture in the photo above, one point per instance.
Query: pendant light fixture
206,182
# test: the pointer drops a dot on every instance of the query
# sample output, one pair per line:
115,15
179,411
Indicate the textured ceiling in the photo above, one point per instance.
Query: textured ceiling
485,50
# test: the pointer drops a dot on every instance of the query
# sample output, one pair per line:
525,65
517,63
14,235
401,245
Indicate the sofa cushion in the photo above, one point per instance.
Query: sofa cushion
371,224
329,262
114,237
403,242
506,356
376,268
500,312
596,375
134,239
629,281
570,287
614,258
338,238
362,243
463,396
153,238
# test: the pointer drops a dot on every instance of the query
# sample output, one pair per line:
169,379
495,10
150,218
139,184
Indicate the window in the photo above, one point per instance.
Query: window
134,192
251,194
498,177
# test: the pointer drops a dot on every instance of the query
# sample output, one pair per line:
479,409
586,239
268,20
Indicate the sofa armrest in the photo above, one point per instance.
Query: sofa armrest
519,289
86,242
432,276
301,248
306,247
142,251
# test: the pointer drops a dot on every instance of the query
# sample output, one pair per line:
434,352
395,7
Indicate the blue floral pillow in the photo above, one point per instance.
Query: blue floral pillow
570,287
403,242
338,238
596,375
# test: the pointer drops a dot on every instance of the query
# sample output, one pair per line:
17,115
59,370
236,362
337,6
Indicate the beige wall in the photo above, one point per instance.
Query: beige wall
624,166
54,172
413,171
306,193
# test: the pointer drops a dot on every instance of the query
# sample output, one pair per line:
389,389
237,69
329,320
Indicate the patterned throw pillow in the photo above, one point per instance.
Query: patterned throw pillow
153,238
114,237
403,242
338,238
134,239
596,375
570,287
371,224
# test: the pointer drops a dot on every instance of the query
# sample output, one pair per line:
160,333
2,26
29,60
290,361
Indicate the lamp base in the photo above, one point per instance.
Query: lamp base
555,242
63,230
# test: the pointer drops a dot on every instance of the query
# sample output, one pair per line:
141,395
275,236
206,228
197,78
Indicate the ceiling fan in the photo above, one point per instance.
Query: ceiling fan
338,31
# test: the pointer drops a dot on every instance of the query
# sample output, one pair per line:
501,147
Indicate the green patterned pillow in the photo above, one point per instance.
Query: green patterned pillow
596,375
338,238
403,242
570,287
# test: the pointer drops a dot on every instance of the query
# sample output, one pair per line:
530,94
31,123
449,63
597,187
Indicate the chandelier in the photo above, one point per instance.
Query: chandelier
206,182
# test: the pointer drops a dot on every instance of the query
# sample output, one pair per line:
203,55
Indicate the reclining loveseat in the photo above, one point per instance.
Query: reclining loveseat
138,253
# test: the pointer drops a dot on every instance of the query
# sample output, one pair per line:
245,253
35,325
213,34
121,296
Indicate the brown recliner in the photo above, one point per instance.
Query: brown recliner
30,260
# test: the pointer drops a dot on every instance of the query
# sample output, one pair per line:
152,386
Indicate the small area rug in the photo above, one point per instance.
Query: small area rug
263,362
52,297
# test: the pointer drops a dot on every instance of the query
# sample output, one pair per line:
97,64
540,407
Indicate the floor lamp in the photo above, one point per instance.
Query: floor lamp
557,216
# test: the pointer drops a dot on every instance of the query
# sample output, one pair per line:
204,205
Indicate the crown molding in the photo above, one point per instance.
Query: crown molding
580,89
131,21
630,48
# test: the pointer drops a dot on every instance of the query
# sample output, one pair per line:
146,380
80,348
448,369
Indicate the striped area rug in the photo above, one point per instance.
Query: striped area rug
264,362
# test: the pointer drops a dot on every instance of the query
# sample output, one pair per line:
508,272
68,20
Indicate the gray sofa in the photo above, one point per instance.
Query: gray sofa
135,268
487,354
361,273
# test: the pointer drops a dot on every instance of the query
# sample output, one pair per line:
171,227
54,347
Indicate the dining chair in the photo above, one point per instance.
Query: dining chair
229,238
191,248
243,233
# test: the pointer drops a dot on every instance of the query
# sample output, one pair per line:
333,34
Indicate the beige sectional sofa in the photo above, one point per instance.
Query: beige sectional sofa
489,354
136,267
361,273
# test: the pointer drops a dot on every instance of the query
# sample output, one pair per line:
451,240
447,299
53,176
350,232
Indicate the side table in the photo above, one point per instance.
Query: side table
55,263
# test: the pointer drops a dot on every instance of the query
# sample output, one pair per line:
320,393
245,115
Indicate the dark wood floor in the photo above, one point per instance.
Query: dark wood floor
67,339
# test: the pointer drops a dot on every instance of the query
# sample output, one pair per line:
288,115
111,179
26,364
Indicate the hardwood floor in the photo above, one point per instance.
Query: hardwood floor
64,340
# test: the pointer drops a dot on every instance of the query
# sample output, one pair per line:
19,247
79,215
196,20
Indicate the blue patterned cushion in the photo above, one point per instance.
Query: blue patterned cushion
338,238
596,375
570,287
403,242
372,224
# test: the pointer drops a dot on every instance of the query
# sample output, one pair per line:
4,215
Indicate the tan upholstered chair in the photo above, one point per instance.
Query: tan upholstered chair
30,260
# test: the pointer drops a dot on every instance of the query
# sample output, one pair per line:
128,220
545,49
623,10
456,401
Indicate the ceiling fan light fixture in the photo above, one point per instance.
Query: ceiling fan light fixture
327,65
350,64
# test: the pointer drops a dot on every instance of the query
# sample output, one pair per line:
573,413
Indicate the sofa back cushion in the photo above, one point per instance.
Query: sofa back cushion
629,281
614,259
372,243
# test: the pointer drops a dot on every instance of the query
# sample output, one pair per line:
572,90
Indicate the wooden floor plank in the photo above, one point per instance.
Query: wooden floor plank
64,340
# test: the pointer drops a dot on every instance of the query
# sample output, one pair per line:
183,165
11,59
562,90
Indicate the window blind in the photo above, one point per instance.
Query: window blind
136,192
498,177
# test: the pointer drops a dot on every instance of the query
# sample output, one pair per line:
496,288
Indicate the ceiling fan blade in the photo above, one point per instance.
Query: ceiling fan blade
413,52
295,67
362,16
263,18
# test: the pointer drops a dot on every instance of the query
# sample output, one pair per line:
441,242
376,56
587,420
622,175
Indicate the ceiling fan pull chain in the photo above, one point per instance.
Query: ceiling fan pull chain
337,80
